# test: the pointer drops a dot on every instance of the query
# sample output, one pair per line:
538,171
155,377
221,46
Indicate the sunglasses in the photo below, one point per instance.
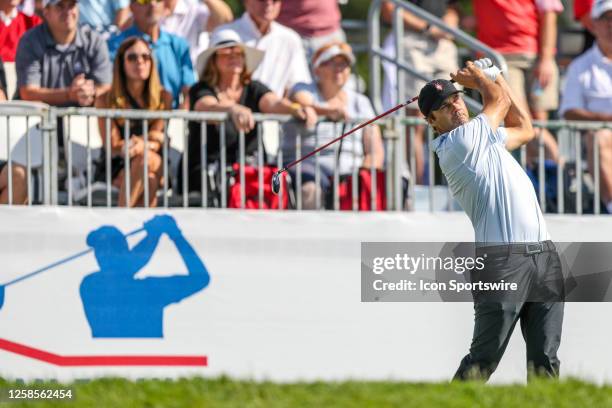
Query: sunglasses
147,2
234,52
134,56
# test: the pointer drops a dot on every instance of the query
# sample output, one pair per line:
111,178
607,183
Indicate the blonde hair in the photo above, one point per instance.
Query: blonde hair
118,95
211,75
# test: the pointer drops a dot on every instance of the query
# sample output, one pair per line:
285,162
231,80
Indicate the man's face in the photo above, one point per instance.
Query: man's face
602,29
62,16
451,114
263,11
147,12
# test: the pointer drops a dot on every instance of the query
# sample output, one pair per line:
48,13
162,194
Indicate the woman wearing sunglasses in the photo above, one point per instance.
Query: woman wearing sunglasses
135,85
225,86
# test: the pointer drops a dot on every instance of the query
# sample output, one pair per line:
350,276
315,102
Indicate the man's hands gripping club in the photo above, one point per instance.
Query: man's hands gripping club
496,102
500,105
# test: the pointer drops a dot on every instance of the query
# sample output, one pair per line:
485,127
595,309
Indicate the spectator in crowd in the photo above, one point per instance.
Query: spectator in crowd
525,33
427,49
19,176
106,16
13,23
171,52
135,85
226,86
284,63
20,186
316,21
588,94
582,13
329,98
193,20
60,63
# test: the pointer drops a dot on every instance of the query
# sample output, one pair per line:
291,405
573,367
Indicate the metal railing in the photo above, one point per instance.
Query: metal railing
33,121
377,54
31,140
71,157
570,135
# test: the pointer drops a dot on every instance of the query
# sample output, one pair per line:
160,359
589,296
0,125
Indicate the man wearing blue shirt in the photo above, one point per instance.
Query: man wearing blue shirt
106,16
511,234
171,52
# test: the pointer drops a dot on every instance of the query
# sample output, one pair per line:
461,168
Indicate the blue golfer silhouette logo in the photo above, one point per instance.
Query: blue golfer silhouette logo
117,304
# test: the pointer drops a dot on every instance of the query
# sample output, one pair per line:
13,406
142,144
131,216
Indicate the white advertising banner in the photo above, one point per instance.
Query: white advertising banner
250,294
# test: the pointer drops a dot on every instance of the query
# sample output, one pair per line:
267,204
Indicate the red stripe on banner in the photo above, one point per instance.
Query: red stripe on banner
72,361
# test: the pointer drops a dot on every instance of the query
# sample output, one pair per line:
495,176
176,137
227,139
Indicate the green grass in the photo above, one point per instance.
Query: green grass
223,392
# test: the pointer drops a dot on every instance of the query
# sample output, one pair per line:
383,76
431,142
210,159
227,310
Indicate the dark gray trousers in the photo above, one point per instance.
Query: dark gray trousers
538,305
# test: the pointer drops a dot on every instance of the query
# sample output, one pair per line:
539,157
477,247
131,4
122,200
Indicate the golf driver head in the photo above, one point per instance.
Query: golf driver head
276,182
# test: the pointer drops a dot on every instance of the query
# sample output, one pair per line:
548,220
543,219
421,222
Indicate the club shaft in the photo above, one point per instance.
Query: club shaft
361,126
61,261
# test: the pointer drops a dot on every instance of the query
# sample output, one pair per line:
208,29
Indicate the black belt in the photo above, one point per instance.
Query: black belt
527,248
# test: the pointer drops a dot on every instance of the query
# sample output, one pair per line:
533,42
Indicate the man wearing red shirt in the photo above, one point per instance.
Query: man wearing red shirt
13,23
316,21
525,32
582,13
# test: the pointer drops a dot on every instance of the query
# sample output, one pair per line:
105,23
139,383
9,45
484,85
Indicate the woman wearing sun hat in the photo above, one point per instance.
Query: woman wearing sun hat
225,85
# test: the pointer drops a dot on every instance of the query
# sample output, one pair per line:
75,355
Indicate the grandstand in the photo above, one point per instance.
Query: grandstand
228,280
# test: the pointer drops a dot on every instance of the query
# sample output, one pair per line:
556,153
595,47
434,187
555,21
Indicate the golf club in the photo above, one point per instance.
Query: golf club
482,63
51,266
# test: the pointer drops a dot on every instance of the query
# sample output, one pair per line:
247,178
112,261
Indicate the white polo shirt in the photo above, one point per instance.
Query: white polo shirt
588,83
188,20
489,184
284,64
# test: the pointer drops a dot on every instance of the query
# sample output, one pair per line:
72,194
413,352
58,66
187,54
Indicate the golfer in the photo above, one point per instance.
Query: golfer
511,235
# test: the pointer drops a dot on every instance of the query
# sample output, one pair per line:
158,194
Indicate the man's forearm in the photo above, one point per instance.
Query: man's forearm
491,91
220,13
581,114
548,35
50,96
517,115
411,21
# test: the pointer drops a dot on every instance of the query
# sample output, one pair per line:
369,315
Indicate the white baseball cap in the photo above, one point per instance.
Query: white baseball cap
331,52
600,7
229,38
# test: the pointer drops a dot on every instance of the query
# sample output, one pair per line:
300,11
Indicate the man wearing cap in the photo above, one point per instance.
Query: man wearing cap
588,95
500,201
60,63
284,64
171,52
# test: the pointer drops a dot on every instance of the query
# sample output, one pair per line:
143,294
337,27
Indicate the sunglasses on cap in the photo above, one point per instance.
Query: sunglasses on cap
134,56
